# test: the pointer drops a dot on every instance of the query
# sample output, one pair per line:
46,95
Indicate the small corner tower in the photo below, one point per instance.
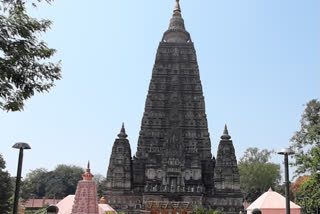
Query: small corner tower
226,173
227,177
86,199
119,173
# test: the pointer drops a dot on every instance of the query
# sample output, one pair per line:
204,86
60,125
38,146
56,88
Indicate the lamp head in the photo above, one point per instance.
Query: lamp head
286,151
21,145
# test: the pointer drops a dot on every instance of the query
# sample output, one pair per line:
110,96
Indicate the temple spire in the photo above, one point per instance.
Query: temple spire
176,32
225,134
122,134
120,161
177,7
85,199
87,175
226,172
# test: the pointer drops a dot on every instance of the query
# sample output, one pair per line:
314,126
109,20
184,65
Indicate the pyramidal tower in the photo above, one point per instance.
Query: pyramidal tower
173,162
86,199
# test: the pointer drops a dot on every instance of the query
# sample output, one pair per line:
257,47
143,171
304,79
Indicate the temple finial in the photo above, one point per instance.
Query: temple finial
225,134
177,7
122,134
225,131
87,175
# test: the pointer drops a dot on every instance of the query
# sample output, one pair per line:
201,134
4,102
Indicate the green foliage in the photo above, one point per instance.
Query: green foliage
64,181
201,210
42,210
308,196
306,143
101,184
257,174
35,184
52,184
253,156
281,189
24,64
6,188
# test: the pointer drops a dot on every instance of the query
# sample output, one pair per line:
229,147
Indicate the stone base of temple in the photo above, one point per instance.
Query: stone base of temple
161,203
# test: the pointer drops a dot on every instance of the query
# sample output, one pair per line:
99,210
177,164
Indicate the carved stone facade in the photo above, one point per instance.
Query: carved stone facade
119,176
86,200
173,161
226,172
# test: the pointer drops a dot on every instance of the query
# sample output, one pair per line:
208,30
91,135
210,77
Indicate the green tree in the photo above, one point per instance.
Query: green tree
24,64
52,184
309,195
306,143
63,181
101,184
35,184
201,210
257,174
42,210
6,188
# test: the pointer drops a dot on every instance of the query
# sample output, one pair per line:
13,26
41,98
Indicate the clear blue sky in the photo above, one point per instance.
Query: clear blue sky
259,63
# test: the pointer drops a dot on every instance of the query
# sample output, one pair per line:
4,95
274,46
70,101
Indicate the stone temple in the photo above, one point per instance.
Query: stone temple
173,170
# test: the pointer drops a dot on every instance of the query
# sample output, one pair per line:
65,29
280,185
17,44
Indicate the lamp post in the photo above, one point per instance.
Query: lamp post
21,146
286,152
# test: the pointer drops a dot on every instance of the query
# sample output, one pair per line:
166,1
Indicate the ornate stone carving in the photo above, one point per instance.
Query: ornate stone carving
173,160
119,171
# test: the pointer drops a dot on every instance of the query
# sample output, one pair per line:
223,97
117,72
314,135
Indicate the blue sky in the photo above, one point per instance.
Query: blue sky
259,63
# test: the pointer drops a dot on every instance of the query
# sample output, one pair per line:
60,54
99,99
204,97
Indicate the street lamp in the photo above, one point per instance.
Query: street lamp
286,152
21,146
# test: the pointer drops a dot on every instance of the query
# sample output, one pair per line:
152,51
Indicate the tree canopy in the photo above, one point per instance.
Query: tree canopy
253,156
296,186
6,188
24,64
52,184
257,174
306,143
101,184
201,210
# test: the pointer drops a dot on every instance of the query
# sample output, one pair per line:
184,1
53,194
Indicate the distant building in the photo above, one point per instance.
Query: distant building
39,203
273,203
173,164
